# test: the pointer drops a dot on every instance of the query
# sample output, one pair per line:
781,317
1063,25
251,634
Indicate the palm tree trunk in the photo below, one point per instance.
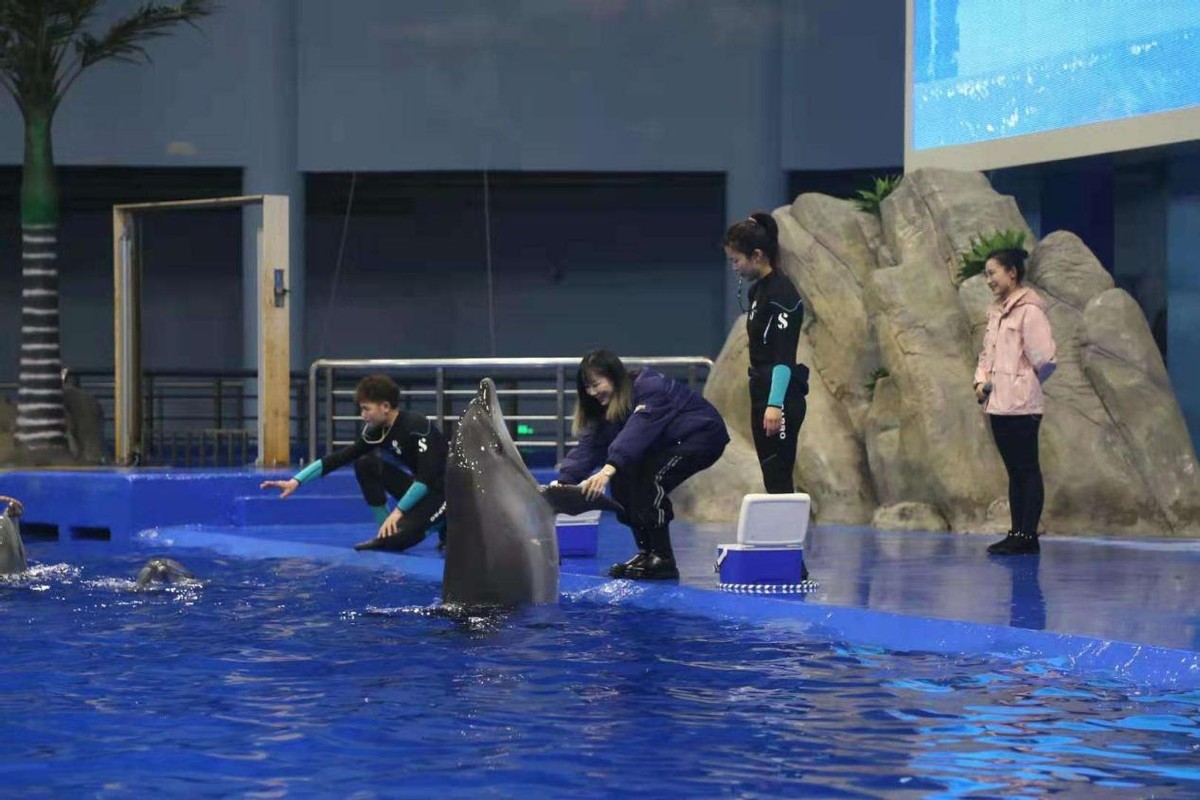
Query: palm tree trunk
41,417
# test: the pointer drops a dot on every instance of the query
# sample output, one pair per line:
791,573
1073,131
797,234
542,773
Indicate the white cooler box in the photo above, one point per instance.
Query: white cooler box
768,556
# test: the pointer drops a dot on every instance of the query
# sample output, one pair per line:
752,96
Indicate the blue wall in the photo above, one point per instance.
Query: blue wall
192,95
533,84
843,84
742,91
596,260
1183,285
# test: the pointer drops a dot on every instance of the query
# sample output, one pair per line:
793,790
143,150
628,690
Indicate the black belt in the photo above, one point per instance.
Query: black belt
799,376
766,371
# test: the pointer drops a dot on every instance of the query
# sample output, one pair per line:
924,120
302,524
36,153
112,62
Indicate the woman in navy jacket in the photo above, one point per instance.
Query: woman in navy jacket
646,434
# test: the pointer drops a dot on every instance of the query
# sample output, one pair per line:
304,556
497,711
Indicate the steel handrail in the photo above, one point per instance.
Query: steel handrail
440,366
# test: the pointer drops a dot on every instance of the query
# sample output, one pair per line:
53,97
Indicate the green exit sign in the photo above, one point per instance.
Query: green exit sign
524,430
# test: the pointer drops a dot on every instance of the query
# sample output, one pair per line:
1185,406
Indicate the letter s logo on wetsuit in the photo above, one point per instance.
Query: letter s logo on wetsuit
422,445
781,320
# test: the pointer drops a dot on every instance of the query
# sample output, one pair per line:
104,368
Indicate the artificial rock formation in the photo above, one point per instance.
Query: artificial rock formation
911,449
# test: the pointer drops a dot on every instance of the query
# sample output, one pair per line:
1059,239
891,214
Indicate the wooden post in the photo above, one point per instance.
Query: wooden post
274,351
127,349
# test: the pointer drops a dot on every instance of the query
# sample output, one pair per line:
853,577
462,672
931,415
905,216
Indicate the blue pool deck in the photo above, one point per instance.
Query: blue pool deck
1125,609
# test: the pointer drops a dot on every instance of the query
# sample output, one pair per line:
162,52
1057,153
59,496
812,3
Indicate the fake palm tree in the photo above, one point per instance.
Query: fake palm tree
45,46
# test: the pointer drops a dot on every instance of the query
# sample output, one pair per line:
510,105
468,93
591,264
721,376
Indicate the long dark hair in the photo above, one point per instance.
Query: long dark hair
601,363
759,231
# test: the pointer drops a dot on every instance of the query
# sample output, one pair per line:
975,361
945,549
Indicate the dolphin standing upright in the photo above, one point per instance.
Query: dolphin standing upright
501,548
12,548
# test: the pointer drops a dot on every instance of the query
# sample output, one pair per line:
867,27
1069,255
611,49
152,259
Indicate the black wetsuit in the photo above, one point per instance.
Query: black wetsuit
389,461
773,324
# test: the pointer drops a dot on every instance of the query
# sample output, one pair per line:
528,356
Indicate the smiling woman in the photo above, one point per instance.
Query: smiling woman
646,434
1018,355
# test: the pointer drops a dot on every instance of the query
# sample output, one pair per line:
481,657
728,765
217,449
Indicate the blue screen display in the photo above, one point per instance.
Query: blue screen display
986,70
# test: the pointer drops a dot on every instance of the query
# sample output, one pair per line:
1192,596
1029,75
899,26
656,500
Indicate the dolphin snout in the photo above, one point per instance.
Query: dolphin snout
487,390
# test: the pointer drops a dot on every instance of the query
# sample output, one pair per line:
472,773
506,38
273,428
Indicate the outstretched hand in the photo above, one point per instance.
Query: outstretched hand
390,525
285,487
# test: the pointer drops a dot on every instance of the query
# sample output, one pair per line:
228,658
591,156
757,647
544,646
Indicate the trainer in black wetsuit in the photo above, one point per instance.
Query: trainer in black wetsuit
398,453
778,384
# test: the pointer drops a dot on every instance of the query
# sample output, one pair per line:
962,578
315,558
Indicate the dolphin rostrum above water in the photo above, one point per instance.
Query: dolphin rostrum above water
12,548
501,548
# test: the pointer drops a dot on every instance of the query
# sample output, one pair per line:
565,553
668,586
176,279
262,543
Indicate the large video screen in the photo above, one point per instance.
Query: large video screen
1010,73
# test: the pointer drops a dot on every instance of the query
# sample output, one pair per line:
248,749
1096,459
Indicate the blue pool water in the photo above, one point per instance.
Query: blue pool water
288,678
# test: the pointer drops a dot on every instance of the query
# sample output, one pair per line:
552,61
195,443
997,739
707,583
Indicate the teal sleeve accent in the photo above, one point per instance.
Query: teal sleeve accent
381,514
310,472
780,376
415,494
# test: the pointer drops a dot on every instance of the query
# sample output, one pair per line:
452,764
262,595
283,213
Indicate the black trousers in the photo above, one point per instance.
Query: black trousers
777,454
377,479
643,491
1017,440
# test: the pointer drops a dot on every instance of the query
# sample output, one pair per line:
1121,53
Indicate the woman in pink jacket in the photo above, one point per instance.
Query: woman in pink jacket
1018,355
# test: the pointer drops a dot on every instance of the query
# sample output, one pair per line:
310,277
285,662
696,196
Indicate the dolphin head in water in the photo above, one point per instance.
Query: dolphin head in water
162,570
501,548
12,548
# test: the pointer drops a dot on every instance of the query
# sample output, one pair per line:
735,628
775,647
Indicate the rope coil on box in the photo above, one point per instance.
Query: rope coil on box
803,587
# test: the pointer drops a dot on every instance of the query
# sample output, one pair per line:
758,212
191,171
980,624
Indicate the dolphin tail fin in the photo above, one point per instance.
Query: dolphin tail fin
571,500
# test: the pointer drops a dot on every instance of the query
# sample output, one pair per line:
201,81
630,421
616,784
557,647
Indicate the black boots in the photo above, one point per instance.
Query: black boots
655,560
646,567
1015,544
653,568
619,570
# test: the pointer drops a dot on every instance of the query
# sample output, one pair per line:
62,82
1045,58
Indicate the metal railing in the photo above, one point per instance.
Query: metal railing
197,447
531,391
193,417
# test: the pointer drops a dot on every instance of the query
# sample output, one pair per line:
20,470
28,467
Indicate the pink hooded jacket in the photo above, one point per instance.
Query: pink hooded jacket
1018,354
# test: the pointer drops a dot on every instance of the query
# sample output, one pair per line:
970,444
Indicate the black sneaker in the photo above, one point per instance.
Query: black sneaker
1015,544
653,568
620,570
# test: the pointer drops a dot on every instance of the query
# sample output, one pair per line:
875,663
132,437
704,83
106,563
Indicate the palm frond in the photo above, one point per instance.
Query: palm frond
125,40
34,36
44,46
24,67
